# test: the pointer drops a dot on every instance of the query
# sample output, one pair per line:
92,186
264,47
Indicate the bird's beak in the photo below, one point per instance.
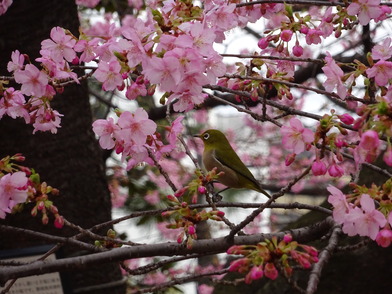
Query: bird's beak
197,136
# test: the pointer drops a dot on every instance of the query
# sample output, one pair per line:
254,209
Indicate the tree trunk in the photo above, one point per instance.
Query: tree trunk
70,160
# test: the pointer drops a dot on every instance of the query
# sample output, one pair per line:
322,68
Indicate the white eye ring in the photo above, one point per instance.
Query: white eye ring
206,136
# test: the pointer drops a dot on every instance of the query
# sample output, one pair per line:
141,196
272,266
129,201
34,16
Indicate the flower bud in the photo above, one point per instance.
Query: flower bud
59,222
180,238
41,205
18,157
202,190
263,43
270,271
346,119
172,198
384,238
239,265
151,90
34,211
335,171
45,219
298,50
191,230
287,238
290,159
180,192
319,168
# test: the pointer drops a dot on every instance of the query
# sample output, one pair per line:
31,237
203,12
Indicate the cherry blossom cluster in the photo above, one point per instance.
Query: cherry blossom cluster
365,211
134,136
19,185
262,259
319,24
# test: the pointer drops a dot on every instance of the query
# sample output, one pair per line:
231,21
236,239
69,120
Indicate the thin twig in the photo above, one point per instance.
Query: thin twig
162,171
294,85
294,59
259,210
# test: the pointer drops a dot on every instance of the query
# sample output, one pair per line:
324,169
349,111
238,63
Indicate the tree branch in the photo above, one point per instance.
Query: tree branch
212,246
324,256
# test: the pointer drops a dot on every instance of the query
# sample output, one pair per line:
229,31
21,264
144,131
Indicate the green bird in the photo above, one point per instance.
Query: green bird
219,153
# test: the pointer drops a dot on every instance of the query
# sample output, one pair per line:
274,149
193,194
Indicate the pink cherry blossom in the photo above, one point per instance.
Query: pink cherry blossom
313,36
135,127
382,51
17,61
13,190
295,137
222,17
46,119
202,37
381,72
286,35
339,203
334,76
191,61
353,214
365,10
369,140
174,130
58,70
163,71
59,46
33,81
87,48
108,73
368,222
13,104
214,67
105,128
136,90
136,53
185,101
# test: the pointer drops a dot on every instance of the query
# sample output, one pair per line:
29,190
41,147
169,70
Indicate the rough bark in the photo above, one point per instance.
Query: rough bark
71,159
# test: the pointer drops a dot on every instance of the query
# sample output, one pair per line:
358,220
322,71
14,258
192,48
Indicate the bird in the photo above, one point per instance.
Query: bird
219,154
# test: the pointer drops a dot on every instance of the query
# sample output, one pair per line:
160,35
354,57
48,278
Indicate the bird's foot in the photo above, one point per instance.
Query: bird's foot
216,197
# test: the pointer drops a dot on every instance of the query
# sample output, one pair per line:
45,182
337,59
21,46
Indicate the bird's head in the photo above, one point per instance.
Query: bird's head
213,138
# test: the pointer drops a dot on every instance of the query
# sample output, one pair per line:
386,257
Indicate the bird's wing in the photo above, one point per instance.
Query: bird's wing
236,164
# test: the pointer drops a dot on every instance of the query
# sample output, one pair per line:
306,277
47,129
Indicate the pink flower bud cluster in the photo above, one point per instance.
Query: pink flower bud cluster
186,218
260,260
19,184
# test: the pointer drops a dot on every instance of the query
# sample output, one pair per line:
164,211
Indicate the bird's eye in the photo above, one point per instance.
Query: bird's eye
206,136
